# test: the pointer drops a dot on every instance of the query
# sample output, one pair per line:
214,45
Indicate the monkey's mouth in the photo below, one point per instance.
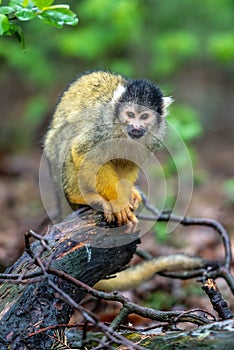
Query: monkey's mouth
135,133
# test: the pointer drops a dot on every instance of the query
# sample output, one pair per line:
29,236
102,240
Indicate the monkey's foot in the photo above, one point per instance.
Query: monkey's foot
108,212
135,199
123,217
128,218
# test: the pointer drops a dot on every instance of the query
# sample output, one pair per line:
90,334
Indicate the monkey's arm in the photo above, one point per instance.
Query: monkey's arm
90,182
118,191
136,275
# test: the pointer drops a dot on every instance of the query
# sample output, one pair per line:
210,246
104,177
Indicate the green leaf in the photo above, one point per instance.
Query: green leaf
25,14
56,7
42,3
6,10
17,31
4,24
59,16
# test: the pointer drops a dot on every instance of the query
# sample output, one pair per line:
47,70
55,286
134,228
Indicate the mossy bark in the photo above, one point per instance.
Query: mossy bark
217,335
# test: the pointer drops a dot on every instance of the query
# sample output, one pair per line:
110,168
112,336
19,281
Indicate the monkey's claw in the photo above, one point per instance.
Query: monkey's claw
127,217
109,217
135,199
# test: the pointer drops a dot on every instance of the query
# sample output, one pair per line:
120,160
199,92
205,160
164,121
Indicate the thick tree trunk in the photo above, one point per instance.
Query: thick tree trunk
84,247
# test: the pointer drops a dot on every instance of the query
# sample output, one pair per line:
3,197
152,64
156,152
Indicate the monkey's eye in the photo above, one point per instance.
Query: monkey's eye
130,114
144,116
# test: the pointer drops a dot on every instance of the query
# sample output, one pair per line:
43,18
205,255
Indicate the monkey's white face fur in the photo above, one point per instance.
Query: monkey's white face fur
138,119
140,122
137,115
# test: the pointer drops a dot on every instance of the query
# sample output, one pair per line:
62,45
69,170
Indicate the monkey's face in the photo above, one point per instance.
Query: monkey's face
136,119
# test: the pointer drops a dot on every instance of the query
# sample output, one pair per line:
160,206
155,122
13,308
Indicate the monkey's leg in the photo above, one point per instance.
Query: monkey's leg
102,187
118,193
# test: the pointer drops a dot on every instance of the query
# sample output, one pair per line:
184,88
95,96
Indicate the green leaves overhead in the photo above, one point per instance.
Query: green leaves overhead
58,16
26,10
4,24
43,3
25,14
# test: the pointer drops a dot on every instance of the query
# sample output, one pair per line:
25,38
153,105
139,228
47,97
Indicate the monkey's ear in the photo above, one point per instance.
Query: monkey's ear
118,93
166,103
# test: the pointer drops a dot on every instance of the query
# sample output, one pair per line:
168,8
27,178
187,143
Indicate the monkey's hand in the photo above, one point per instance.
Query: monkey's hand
123,217
122,209
116,194
126,216
135,198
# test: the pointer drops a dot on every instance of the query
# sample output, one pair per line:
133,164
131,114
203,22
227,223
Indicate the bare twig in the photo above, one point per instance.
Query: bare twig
221,271
129,306
92,318
216,299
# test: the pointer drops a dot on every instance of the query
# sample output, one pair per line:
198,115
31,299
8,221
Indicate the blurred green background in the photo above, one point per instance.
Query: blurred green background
187,47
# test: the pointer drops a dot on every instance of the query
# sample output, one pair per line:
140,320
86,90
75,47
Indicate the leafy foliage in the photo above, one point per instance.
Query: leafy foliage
26,10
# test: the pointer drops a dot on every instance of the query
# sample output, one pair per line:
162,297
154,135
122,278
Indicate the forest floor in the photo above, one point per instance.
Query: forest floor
21,208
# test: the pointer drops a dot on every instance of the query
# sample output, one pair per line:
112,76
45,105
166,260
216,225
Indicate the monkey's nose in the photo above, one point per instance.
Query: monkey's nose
135,133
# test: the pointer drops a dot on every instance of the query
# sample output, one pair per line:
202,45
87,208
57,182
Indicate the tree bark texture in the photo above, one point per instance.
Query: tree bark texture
215,336
84,247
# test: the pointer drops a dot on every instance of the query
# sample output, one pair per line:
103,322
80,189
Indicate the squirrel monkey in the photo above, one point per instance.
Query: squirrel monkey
92,142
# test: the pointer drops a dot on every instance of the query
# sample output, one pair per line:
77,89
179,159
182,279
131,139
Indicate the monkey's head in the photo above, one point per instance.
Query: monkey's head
141,109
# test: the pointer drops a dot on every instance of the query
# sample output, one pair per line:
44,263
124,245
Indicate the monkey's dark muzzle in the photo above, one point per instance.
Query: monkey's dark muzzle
135,133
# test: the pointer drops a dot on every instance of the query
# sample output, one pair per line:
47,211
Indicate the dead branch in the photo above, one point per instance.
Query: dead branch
38,299
56,271
219,304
